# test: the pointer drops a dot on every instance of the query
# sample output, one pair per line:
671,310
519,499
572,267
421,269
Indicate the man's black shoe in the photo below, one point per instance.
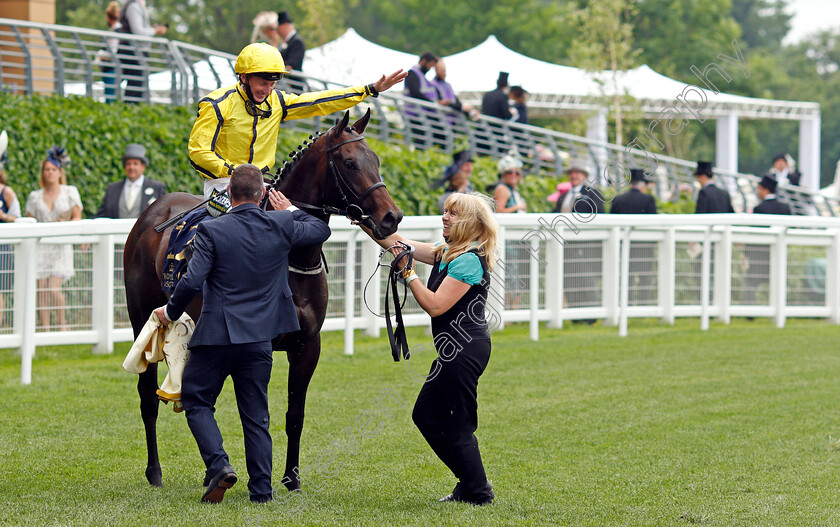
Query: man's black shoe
218,484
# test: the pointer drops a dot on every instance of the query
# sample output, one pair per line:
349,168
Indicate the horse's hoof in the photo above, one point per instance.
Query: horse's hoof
154,478
291,484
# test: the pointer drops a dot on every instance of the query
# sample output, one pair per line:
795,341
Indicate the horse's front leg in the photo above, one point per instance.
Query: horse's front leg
302,365
147,386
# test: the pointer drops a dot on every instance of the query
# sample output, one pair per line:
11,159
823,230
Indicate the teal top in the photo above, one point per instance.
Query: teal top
465,268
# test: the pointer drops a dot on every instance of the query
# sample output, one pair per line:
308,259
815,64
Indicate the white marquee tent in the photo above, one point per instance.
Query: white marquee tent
555,89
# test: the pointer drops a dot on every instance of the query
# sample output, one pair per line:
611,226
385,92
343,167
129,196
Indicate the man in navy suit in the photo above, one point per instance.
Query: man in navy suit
130,197
766,191
711,199
241,267
642,254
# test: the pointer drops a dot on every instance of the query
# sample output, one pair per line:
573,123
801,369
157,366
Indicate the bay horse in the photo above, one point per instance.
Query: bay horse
336,173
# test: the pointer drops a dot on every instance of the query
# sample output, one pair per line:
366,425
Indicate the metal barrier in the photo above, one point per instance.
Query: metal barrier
41,58
555,268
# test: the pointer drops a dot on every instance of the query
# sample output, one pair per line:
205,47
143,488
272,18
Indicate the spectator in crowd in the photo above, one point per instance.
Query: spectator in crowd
519,112
104,57
757,257
784,170
446,93
766,192
580,276
292,46
457,175
9,212
635,201
506,194
55,201
233,337
230,131
581,198
417,86
711,199
134,19
130,197
446,411
495,103
642,254
266,29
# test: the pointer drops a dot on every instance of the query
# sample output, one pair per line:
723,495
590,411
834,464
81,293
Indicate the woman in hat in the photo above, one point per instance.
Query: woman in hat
55,201
266,28
506,194
457,175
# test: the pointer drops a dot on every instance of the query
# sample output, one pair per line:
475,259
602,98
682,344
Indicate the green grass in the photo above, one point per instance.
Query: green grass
669,426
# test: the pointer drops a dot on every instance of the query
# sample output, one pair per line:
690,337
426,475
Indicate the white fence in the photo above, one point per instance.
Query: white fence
555,268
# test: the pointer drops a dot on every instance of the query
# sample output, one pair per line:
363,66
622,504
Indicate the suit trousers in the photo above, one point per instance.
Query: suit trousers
249,365
446,412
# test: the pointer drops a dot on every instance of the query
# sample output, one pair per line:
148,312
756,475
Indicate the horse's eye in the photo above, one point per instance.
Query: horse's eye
349,164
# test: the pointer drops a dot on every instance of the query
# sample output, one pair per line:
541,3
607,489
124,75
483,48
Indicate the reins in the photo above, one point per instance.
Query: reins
396,333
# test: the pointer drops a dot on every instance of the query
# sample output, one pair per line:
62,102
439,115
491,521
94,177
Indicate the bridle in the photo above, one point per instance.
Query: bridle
353,204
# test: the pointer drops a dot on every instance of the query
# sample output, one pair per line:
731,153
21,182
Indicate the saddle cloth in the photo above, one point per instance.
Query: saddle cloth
178,252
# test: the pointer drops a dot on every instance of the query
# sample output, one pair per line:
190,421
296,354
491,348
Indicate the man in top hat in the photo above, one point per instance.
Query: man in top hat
581,198
130,197
711,199
291,46
457,175
758,256
642,254
784,170
495,103
635,201
766,192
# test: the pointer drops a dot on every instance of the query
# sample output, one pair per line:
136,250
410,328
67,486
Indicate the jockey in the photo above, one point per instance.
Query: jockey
239,124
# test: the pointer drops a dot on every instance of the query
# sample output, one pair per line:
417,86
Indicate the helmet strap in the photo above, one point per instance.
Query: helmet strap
247,87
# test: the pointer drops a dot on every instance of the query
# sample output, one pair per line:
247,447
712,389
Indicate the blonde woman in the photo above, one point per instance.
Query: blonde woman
455,297
266,28
55,201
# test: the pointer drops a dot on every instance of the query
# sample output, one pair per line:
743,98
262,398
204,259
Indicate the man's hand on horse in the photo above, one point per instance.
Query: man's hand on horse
386,82
278,200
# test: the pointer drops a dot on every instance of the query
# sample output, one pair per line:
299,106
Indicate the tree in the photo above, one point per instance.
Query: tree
764,23
605,42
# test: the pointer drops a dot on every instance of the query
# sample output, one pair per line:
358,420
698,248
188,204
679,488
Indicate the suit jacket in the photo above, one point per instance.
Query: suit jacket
495,104
152,190
772,206
293,52
584,206
713,200
633,202
241,265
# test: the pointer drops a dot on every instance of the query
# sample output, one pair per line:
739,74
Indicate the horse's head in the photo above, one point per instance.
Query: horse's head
339,174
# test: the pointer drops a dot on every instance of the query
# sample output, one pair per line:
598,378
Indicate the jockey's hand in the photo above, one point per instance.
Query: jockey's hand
278,200
386,82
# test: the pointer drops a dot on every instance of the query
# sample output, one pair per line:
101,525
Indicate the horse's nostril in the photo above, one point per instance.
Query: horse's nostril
390,221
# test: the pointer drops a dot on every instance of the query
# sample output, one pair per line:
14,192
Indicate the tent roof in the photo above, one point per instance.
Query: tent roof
553,88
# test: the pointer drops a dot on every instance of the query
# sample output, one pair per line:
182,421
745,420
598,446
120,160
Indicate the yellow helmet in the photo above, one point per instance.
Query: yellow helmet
261,59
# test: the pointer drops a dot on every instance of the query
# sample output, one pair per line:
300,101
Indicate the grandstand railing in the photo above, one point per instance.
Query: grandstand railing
555,268
47,59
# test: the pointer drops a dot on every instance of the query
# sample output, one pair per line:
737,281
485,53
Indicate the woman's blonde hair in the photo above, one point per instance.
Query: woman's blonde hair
475,227
113,11
62,178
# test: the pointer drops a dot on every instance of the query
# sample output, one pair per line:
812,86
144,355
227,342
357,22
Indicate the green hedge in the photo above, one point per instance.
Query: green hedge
95,135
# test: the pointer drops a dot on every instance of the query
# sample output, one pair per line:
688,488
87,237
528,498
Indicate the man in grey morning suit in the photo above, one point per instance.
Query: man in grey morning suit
241,266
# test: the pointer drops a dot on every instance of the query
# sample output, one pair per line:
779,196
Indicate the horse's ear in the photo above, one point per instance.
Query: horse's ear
340,126
360,125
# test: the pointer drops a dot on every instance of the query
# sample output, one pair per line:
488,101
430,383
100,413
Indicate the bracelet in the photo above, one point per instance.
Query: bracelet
412,276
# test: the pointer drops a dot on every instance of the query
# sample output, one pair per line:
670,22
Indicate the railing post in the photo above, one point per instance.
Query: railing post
496,294
832,279
610,275
103,294
779,275
372,296
624,281
534,288
554,277
25,277
705,279
723,275
667,275
350,293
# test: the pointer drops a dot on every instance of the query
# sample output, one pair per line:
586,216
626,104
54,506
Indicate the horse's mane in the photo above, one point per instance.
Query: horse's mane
297,155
